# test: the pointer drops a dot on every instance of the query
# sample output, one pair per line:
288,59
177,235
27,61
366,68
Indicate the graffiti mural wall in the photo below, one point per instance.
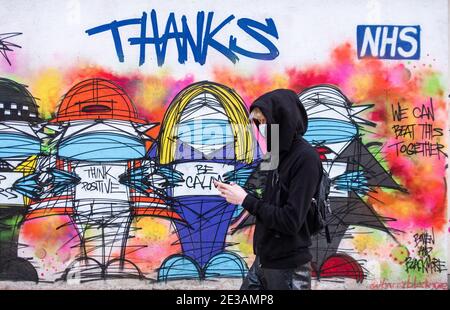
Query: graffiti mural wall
117,116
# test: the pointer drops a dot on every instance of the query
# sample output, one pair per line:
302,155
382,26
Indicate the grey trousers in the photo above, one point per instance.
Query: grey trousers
259,278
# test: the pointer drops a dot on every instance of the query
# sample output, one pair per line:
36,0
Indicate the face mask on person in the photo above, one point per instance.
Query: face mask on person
259,120
263,130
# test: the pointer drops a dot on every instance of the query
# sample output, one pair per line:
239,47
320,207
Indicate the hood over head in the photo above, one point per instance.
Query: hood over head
283,107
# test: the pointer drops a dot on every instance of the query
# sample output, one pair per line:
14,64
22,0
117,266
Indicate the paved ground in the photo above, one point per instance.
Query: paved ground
220,284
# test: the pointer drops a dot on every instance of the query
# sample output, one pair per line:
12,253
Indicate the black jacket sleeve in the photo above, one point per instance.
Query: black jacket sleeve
289,218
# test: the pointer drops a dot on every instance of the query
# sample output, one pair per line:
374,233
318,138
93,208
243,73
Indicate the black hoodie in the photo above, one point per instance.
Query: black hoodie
281,239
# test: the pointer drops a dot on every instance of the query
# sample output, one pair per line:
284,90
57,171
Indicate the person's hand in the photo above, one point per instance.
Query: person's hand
232,192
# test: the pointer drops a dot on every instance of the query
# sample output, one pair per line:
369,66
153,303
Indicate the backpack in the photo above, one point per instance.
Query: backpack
320,207
316,218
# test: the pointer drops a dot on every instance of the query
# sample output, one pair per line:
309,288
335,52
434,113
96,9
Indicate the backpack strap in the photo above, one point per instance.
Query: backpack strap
326,201
327,234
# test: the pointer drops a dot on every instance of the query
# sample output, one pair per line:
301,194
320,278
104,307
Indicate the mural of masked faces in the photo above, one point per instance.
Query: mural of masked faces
205,137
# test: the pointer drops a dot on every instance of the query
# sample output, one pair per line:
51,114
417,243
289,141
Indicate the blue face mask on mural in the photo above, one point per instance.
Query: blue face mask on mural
102,147
206,132
329,130
18,145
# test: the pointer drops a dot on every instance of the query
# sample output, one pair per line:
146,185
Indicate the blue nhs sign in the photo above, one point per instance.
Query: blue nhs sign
388,42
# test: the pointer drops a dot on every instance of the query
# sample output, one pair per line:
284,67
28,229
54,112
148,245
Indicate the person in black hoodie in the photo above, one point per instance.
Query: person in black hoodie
281,239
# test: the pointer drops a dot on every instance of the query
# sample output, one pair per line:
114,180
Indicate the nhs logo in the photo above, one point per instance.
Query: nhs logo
388,42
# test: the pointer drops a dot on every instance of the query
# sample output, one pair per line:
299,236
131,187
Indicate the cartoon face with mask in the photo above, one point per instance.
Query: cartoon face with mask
19,146
99,137
335,131
205,138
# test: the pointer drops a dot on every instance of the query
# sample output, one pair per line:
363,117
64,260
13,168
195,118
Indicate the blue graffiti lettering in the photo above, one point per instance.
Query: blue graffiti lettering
183,37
